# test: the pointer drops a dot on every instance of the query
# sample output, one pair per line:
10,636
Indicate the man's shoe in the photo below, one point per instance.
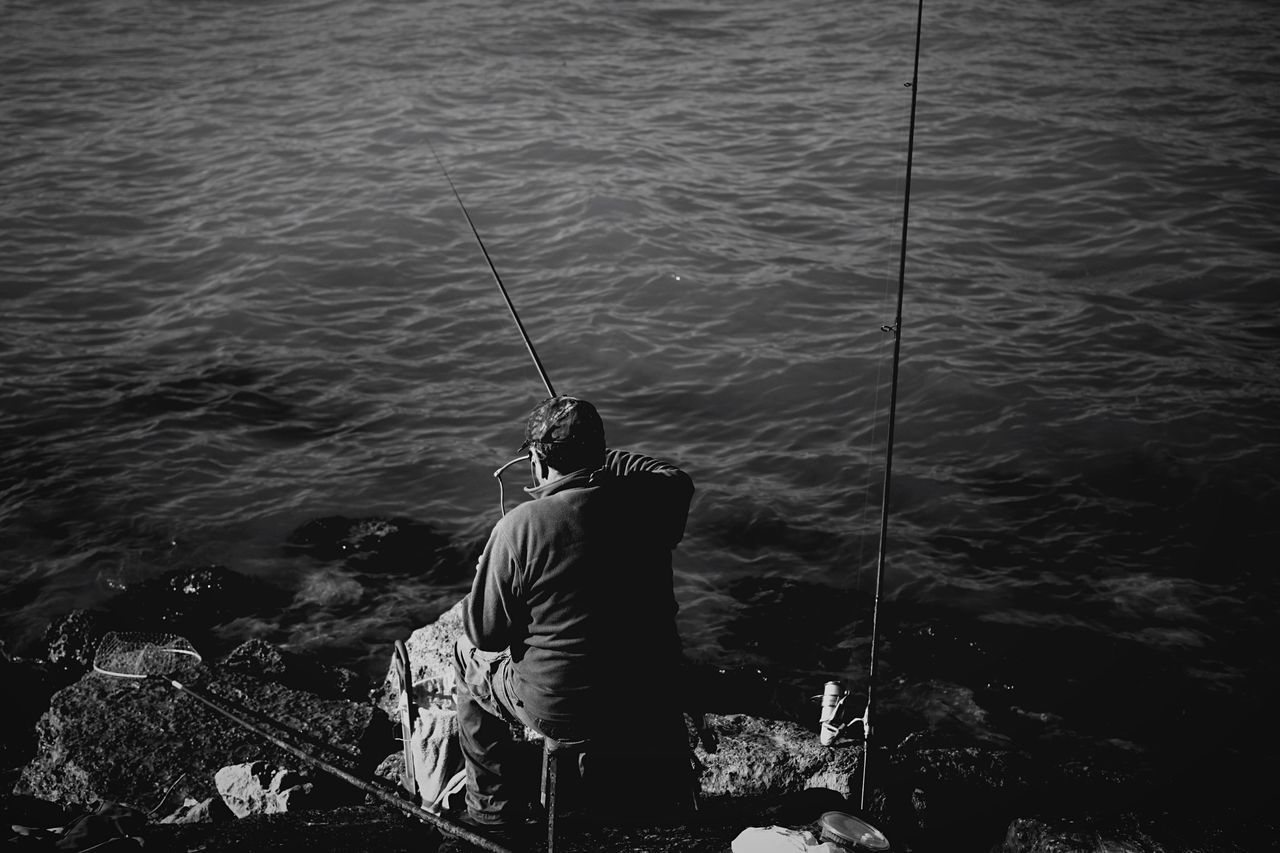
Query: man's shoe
514,835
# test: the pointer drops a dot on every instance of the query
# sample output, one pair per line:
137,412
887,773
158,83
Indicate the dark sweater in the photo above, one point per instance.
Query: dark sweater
577,583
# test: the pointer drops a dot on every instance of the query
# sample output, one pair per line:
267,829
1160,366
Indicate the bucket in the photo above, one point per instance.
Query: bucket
850,833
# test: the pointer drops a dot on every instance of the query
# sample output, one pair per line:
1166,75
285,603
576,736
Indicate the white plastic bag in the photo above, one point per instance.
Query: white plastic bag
778,839
437,755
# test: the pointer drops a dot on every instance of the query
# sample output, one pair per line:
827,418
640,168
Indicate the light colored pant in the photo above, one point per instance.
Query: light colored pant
499,788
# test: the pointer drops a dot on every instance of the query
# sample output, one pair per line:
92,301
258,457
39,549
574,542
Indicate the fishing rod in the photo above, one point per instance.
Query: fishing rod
497,278
896,329
537,362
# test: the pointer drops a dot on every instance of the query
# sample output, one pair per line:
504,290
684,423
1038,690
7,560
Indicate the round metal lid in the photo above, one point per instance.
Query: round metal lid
848,828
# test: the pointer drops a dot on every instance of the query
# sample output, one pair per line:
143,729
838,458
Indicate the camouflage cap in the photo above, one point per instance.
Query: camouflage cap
564,420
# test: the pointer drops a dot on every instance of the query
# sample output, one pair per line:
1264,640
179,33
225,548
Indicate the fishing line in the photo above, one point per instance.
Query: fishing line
497,475
493,269
896,329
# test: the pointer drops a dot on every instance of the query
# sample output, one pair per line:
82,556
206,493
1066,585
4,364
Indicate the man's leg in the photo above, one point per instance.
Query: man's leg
484,733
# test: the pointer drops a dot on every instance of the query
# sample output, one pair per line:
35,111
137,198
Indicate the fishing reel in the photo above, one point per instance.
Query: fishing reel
831,717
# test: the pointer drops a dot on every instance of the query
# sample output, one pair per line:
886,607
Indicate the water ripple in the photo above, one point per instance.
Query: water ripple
238,294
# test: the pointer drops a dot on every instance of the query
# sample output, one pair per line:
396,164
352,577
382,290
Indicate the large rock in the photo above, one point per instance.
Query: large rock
270,663
430,658
145,742
384,545
189,600
258,787
756,757
72,639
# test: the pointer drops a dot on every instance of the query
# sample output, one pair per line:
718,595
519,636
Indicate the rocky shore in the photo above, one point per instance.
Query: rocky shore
146,761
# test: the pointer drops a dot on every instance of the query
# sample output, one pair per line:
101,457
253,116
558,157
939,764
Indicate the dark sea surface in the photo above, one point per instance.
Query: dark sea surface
237,294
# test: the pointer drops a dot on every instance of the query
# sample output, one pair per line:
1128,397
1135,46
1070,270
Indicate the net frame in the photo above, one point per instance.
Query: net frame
136,654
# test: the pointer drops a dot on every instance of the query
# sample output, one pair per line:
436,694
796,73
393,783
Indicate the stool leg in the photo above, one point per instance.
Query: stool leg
552,762
546,775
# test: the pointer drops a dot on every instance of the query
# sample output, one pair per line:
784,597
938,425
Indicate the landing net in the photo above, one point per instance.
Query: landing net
126,654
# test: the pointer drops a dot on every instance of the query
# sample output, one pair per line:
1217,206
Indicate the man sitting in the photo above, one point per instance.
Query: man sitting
570,622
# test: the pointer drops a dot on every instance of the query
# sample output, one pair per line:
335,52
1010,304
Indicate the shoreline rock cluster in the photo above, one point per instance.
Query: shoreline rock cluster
78,739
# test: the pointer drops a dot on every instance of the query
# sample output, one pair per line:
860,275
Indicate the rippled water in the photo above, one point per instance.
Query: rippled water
238,295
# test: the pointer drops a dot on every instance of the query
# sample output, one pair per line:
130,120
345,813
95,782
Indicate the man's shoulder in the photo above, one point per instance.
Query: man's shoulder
529,514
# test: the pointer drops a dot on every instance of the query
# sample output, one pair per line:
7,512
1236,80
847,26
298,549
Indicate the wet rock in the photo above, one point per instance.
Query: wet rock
71,640
267,662
190,600
143,741
390,769
377,545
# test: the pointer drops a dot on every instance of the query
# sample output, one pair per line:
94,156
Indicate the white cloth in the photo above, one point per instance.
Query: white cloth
437,756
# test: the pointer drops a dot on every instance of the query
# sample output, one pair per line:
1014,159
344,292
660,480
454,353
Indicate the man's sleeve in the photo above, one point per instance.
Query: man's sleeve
488,615
672,489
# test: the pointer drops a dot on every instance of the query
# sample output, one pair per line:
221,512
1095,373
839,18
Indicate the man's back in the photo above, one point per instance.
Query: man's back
578,584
